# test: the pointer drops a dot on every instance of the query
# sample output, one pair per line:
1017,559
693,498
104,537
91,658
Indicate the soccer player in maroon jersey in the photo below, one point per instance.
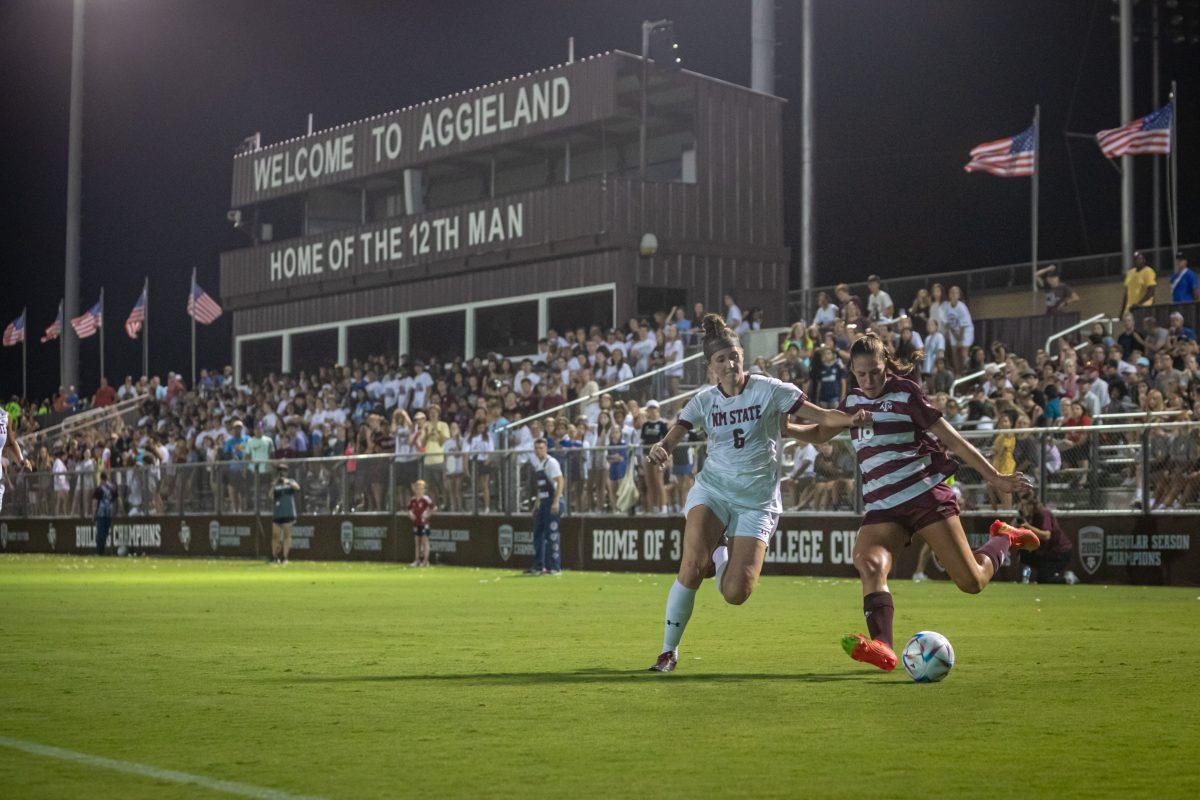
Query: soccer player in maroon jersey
420,511
904,464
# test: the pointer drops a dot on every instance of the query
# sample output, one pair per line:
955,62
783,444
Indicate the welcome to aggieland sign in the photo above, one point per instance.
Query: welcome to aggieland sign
1136,549
570,95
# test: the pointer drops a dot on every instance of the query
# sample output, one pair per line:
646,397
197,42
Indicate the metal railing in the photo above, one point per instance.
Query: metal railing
84,420
1078,269
592,398
1095,470
1078,326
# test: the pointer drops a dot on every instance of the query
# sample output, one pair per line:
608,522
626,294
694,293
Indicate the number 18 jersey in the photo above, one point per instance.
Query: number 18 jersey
742,463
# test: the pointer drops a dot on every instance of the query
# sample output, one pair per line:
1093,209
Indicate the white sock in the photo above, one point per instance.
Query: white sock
680,601
720,557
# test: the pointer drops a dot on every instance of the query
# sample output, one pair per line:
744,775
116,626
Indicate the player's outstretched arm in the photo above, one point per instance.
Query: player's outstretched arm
809,434
1016,482
832,418
661,451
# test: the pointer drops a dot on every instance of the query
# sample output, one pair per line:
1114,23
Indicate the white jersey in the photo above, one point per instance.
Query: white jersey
743,461
3,439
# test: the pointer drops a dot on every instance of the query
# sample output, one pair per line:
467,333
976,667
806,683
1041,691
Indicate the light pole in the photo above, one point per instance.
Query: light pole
70,342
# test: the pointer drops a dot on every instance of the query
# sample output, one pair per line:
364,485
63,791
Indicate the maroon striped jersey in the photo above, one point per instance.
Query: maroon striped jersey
898,458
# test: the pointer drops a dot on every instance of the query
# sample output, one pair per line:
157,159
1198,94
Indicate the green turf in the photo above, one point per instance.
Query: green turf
355,681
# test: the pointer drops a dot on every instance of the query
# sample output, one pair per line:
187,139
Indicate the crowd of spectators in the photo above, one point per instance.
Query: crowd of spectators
444,421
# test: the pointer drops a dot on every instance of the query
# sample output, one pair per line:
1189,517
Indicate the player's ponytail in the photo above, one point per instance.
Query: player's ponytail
717,335
872,346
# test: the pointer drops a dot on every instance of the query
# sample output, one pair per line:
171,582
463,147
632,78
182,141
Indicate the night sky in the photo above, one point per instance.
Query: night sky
904,90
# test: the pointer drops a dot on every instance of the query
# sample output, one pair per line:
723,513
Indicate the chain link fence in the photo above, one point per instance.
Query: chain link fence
1099,469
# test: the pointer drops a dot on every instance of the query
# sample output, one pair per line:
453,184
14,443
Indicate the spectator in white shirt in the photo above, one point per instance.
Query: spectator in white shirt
937,305
935,345
879,303
619,371
801,479
733,314
640,350
422,380
392,391
827,312
374,387
960,327
673,355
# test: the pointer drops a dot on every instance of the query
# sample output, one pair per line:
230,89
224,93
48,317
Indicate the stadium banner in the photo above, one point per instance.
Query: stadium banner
237,536
1136,549
466,540
809,545
343,537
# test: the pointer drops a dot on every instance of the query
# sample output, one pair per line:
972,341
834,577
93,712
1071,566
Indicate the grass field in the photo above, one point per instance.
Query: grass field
356,680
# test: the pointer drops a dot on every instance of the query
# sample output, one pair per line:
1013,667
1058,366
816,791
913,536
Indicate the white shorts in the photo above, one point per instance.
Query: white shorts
965,337
739,520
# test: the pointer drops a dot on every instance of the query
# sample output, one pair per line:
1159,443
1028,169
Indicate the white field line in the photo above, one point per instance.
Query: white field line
145,770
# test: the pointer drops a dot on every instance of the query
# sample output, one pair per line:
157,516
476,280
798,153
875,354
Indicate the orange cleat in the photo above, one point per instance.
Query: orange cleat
869,651
1019,538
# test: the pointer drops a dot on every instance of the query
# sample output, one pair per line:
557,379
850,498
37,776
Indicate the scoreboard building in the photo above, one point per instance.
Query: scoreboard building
476,222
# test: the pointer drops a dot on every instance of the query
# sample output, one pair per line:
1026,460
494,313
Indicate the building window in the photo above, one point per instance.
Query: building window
581,311
313,350
510,329
373,339
441,337
260,357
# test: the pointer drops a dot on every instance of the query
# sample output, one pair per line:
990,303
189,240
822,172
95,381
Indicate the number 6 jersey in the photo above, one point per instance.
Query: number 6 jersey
742,463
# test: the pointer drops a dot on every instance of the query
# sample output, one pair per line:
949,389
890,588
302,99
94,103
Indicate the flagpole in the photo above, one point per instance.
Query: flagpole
146,328
1033,201
62,361
1173,193
101,332
192,303
24,339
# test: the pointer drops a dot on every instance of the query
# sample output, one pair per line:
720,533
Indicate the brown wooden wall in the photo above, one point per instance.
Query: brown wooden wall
529,278
558,213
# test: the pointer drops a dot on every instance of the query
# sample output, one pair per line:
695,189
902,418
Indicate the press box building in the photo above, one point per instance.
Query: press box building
474,223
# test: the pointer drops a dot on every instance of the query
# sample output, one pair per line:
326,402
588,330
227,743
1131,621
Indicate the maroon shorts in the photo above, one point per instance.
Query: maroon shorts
925,509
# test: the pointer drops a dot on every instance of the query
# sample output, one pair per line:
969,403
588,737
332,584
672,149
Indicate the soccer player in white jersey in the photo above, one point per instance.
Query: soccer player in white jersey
10,449
736,494
904,465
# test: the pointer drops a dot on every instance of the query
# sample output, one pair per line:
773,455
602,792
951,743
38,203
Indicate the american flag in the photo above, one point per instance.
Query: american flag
137,316
1148,134
201,307
15,332
89,322
1009,158
55,329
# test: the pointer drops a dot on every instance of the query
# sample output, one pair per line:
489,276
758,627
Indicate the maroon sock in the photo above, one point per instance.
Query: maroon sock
995,550
878,609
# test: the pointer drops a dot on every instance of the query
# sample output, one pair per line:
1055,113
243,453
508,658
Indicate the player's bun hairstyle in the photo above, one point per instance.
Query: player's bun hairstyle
717,335
873,347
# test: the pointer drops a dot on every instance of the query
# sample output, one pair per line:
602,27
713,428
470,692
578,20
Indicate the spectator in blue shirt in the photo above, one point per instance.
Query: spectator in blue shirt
1183,281
235,452
1178,330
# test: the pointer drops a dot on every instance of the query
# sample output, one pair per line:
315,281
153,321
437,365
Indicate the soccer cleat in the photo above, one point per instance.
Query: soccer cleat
1020,538
919,576
666,662
869,651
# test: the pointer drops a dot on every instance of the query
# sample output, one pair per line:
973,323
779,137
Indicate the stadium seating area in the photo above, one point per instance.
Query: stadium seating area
444,421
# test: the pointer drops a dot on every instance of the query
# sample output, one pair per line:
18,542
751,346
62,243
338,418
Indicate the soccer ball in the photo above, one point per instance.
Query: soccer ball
928,657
